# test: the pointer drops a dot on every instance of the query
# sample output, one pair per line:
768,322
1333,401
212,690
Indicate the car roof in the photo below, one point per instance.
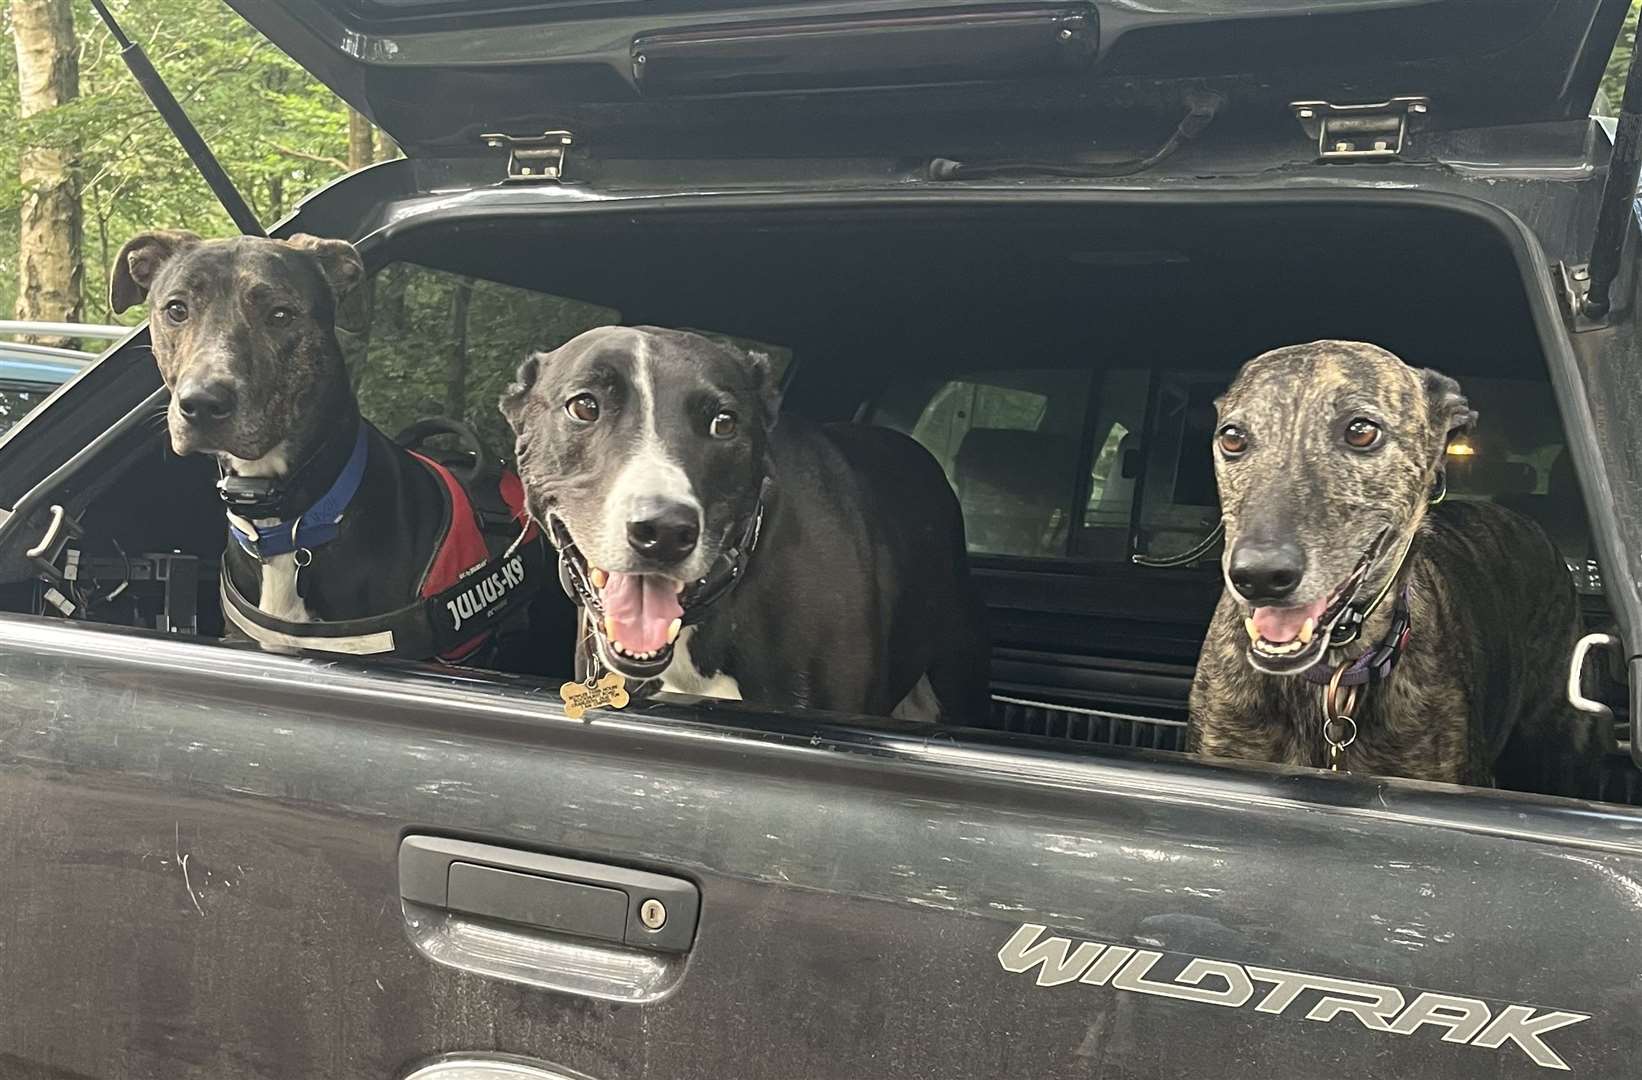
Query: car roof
20,367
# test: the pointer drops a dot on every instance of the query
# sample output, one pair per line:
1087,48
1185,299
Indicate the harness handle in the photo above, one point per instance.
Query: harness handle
483,473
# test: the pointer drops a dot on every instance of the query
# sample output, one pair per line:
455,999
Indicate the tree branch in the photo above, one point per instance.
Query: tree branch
303,155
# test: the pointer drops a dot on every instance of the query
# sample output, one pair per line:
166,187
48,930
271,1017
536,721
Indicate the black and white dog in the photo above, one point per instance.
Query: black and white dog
340,539
726,555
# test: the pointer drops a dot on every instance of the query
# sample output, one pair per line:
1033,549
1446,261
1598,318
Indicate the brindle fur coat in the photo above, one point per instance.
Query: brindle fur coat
1478,695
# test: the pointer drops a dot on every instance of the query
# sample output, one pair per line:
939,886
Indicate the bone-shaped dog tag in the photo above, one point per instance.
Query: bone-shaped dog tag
579,697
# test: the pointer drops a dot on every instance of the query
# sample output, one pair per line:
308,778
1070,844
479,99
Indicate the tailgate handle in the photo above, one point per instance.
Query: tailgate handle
546,892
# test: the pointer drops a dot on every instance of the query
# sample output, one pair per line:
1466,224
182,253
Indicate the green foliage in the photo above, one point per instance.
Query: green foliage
279,133
422,330
1613,79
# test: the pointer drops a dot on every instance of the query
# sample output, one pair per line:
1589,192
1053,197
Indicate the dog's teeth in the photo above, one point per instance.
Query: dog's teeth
599,577
1273,648
1307,628
678,587
610,628
672,630
1248,624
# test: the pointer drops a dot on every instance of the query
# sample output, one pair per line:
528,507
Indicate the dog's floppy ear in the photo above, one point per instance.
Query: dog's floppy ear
338,261
139,262
1451,414
769,386
515,396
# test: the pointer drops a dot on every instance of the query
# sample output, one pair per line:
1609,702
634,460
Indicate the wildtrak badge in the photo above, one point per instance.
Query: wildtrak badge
1465,1020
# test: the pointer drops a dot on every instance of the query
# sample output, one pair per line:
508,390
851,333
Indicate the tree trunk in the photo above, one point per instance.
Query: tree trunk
276,197
361,146
50,262
456,368
386,148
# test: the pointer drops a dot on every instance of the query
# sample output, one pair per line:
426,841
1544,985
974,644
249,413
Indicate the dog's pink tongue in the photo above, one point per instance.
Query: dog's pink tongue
1280,625
640,608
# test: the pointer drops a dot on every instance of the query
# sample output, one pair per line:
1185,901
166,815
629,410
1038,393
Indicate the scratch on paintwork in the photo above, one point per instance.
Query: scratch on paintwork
183,860
1081,847
1623,883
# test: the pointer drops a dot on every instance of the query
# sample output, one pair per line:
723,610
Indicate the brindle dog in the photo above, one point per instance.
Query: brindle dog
1329,458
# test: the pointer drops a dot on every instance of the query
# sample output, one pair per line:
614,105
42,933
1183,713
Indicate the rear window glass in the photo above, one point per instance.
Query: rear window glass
1105,465
422,342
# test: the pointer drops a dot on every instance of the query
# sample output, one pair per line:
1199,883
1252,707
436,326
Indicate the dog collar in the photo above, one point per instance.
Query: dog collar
313,527
728,570
1375,664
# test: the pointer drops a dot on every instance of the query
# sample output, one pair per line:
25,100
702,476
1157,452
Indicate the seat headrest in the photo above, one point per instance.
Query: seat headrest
1031,463
1499,477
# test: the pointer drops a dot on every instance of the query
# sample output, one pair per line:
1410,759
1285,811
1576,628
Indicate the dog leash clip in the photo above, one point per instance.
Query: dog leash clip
1339,727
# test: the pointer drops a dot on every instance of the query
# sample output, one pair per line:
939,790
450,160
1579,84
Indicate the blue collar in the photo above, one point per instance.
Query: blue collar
315,526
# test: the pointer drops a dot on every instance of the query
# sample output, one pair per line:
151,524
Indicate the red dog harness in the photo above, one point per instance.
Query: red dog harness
465,596
463,552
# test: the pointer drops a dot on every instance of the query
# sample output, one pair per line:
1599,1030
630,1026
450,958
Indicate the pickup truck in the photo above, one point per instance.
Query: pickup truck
1038,236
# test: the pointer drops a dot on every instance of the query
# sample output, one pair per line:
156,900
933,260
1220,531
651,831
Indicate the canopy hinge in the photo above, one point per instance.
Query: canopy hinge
1371,132
533,158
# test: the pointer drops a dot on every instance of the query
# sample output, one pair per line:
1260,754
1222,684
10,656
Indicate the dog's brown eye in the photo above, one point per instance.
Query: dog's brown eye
723,425
1232,440
1362,434
583,407
176,311
280,314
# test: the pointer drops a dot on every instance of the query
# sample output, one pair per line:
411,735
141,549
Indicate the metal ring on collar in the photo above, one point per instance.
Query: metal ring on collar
1348,732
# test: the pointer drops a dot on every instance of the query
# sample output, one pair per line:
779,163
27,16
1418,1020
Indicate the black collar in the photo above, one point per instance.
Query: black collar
285,498
727,571
1375,664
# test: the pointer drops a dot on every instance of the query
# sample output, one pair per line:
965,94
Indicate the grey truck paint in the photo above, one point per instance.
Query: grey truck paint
204,844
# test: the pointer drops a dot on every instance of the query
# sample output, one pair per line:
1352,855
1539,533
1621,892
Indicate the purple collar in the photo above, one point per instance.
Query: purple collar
1376,663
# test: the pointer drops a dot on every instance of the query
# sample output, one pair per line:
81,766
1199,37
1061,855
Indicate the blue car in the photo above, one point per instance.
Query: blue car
29,373
26,380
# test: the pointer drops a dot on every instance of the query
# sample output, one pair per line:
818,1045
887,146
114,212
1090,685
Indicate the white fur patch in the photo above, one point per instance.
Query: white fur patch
649,471
920,704
683,677
276,462
279,596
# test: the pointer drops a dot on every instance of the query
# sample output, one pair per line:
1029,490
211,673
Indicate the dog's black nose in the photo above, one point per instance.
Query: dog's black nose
206,401
664,531
1266,571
